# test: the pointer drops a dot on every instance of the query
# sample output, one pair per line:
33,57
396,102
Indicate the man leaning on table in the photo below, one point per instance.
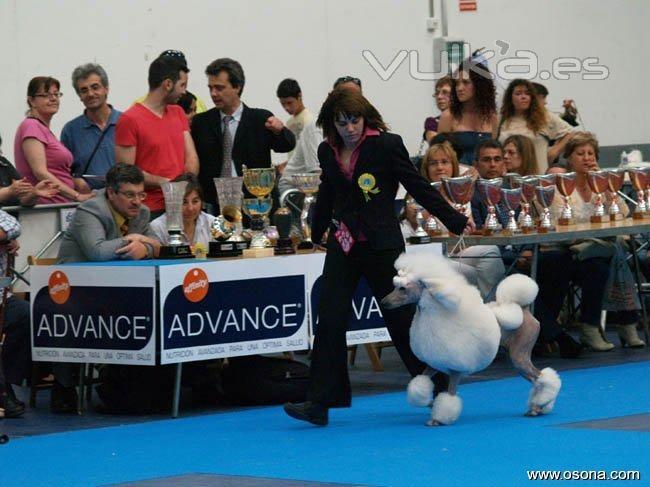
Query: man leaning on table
114,225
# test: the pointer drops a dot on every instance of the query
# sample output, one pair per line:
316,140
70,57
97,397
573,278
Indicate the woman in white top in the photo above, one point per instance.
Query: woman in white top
480,264
522,114
196,223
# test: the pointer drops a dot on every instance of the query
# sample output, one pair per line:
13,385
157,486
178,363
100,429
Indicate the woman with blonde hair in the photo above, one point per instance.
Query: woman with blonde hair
519,155
522,114
480,264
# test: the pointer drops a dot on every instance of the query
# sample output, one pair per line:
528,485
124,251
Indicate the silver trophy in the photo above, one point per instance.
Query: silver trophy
638,178
460,191
226,230
511,199
306,183
420,236
545,195
566,185
177,246
598,183
433,226
527,185
490,192
615,179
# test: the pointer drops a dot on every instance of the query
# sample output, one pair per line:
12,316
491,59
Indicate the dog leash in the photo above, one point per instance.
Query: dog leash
458,248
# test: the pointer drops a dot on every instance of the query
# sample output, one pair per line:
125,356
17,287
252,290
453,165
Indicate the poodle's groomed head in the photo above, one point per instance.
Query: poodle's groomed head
414,273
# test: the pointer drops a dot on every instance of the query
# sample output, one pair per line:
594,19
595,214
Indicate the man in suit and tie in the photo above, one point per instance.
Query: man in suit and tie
231,134
114,225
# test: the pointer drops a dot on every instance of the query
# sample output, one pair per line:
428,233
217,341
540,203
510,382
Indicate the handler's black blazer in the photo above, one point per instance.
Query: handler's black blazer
252,145
384,157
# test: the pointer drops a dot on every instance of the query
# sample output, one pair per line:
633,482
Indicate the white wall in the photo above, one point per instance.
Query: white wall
315,41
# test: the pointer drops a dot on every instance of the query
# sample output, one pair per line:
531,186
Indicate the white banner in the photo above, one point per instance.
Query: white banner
216,309
93,314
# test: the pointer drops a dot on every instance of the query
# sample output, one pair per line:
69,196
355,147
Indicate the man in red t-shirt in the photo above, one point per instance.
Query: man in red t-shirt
154,135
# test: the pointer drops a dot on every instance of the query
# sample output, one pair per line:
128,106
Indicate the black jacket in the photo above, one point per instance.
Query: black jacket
252,145
386,159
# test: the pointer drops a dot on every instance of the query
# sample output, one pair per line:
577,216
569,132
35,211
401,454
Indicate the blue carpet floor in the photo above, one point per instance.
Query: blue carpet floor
379,441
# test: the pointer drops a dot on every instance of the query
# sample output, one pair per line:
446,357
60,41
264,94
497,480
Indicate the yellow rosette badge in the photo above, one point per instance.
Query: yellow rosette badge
367,184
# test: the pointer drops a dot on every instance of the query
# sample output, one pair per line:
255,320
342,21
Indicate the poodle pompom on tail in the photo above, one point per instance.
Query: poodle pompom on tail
512,293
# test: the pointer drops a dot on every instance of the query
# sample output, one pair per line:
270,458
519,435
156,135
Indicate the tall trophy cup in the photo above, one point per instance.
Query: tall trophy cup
177,248
545,195
282,221
420,236
490,192
432,225
511,199
306,183
615,178
227,240
638,178
527,185
566,185
260,183
459,190
598,183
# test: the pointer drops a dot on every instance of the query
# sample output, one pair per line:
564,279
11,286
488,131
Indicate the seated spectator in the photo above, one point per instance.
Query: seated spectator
442,96
490,164
112,226
570,112
519,155
196,223
522,114
38,154
187,102
91,136
592,273
480,264
16,359
16,190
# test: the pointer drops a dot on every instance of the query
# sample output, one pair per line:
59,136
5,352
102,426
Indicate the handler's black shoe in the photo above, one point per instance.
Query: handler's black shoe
311,412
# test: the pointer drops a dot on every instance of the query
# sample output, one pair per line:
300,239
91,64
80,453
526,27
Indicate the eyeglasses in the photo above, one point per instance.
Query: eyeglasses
48,95
490,159
348,79
131,196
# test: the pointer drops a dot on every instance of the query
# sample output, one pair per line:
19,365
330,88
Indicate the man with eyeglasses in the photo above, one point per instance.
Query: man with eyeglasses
91,136
114,225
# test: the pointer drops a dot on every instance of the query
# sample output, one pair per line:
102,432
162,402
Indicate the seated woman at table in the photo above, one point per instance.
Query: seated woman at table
519,155
480,264
196,223
587,263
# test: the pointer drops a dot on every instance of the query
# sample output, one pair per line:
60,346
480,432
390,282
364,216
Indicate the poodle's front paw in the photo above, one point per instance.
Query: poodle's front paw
534,411
433,422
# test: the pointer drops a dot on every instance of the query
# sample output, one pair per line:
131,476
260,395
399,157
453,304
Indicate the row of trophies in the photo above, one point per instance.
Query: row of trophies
514,191
228,236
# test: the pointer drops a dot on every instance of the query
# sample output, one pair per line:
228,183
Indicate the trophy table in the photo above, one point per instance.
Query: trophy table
177,247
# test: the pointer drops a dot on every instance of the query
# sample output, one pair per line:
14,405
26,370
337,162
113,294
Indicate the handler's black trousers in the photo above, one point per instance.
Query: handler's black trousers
330,383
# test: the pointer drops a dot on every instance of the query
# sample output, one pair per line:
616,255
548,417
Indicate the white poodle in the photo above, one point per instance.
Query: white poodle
455,332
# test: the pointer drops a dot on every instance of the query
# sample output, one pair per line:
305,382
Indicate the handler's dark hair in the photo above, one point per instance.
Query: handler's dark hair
347,102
